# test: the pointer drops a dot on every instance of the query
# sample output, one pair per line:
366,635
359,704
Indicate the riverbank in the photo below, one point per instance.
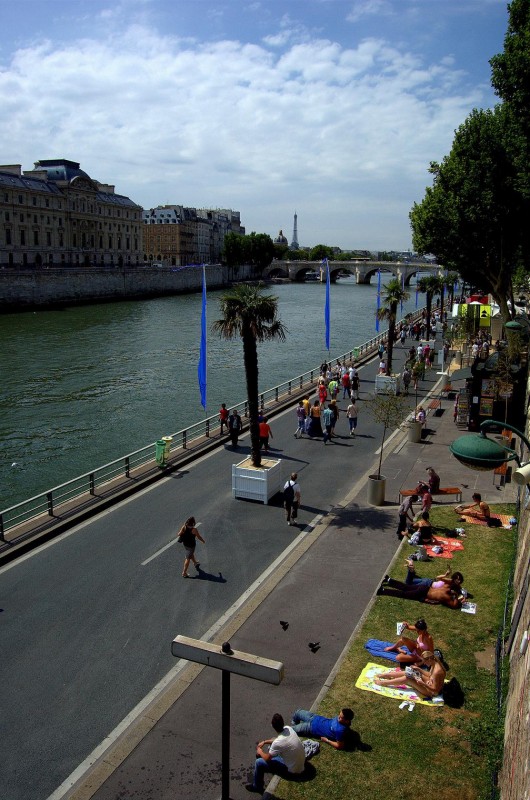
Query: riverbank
32,289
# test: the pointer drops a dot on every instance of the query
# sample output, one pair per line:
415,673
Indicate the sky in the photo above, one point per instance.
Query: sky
330,108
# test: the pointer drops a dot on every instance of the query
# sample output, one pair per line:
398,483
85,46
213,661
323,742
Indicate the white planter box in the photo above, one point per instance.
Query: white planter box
257,483
388,383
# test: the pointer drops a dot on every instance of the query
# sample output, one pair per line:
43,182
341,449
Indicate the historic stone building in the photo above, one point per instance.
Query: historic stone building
175,235
55,215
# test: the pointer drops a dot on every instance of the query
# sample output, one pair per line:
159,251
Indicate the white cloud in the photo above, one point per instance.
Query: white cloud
335,132
368,8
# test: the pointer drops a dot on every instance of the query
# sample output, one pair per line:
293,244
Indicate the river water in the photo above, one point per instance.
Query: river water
85,385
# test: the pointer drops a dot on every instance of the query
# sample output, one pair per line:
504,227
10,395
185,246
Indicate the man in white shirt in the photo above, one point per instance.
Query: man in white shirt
286,754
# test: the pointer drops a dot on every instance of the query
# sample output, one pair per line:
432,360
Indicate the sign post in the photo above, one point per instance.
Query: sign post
227,660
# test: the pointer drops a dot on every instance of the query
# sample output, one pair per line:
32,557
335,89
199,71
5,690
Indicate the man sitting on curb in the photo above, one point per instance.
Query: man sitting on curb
333,731
286,754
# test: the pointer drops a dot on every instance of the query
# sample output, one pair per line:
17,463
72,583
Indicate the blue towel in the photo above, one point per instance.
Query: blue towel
377,648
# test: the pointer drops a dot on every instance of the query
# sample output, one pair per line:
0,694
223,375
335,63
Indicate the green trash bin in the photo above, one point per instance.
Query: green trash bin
160,452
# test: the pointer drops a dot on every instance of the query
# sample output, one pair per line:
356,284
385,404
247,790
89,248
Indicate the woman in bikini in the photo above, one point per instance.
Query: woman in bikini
410,651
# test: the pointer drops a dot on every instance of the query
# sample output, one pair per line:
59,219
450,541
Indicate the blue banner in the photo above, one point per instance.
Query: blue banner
378,299
326,310
201,371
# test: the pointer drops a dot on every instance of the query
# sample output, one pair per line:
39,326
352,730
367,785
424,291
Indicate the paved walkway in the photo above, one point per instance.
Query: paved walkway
321,587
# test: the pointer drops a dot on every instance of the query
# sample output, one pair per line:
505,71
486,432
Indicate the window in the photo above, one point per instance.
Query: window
21,216
6,215
22,237
36,238
20,199
8,236
47,203
48,238
34,201
74,240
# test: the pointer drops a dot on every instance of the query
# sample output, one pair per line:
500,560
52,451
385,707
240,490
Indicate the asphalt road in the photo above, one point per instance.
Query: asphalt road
88,619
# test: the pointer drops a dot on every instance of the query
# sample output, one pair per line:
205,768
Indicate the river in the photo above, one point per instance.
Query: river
88,384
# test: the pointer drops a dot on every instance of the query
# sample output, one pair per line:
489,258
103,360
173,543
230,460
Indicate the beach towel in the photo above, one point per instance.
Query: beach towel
377,648
449,546
365,681
504,520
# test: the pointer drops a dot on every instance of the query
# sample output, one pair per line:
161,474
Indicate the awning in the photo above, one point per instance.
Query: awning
461,374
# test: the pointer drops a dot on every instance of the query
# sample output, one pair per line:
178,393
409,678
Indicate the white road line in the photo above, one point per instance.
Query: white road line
159,552
62,791
165,547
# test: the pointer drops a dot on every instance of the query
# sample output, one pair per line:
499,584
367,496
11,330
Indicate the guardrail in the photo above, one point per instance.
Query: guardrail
82,491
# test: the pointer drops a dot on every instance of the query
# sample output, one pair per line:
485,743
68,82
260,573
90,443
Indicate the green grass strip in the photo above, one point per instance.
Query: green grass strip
451,752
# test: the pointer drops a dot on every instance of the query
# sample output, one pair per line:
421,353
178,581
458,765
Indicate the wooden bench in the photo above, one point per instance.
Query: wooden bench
448,491
502,471
434,404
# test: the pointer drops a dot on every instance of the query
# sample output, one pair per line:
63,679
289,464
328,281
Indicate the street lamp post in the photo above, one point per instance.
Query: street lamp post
478,452
227,660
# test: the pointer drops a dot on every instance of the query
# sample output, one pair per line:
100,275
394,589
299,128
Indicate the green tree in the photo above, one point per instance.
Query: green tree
250,314
321,251
235,249
260,250
471,216
430,286
393,294
389,409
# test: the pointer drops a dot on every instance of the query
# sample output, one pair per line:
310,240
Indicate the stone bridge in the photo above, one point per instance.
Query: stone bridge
362,270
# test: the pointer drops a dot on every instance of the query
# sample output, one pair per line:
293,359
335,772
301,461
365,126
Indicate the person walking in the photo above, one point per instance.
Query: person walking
188,536
301,418
351,413
235,426
264,433
223,417
354,384
291,498
327,419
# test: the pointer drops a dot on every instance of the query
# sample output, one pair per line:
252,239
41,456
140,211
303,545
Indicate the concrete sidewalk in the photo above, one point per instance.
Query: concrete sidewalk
322,588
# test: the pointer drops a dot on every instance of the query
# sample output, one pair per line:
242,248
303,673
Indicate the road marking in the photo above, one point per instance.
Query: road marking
234,611
165,547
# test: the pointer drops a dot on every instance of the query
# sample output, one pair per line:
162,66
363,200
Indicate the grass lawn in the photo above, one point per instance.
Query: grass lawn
440,750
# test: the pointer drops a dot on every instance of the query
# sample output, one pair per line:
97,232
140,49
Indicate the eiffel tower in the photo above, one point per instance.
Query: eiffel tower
294,244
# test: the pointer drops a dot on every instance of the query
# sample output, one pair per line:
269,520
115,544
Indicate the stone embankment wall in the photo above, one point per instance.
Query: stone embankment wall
515,775
30,289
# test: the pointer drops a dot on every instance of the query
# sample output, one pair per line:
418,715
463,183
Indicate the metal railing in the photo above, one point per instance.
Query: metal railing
82,491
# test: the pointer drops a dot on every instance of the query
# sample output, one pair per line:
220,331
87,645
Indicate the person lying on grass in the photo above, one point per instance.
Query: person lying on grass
410,651
443,590
428,683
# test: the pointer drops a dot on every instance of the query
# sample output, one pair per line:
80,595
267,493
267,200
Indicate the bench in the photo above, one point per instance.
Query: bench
502,472
448,491
433,405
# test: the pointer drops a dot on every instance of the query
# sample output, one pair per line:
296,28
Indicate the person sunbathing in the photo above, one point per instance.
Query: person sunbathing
443,590
428,683
410,651
423,528
477,509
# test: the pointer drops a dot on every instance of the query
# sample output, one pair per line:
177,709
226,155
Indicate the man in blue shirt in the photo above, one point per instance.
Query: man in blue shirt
333,731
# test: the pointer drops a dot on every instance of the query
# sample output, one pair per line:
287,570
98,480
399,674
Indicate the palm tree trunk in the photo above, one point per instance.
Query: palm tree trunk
250,357
391,336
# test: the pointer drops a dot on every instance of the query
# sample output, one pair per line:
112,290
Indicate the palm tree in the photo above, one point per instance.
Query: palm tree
250,314
393,295
430,285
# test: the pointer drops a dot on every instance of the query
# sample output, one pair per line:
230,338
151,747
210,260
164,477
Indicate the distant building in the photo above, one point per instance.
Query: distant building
281,239
176,235
55,215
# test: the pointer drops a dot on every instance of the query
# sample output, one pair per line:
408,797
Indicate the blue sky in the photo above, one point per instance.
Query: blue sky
332,108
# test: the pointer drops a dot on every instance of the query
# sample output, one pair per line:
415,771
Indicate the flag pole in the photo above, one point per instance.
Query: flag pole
202,366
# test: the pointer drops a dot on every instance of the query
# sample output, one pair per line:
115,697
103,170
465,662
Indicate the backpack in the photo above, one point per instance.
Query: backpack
288,493
453,694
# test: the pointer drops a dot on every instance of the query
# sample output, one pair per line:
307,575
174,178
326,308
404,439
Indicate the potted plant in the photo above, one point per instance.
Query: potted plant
252,315
389,410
